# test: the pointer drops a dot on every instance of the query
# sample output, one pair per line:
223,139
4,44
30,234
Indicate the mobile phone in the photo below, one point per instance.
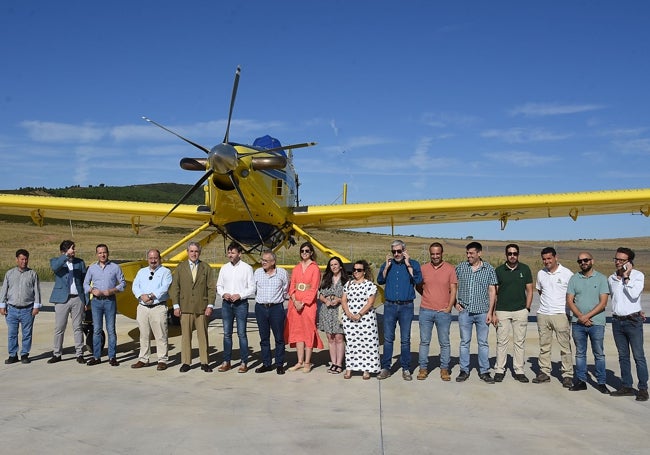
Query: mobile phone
625,267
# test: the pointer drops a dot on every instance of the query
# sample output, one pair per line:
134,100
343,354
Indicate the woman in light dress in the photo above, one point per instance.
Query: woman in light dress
330,294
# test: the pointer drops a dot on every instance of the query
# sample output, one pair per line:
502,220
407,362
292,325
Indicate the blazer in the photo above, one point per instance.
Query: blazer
61,290
193,297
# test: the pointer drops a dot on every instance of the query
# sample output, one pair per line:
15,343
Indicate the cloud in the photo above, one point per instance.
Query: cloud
63,132
545,109
334,127
520,135
447,119
521,159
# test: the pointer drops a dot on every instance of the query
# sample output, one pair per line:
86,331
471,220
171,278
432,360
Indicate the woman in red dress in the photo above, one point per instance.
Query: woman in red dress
300,330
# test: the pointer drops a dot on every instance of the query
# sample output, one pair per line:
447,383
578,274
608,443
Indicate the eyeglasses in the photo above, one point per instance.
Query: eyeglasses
305,251
583,261
620,260
396,251
359,270
512,253
151,275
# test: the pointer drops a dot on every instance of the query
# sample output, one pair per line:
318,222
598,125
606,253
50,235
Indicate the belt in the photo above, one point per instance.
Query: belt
269,305
400,302
103,297
20,307
72,295
154,305
628,317
303,286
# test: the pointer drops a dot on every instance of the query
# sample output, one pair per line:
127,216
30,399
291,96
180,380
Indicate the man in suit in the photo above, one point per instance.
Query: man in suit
193,292
68,298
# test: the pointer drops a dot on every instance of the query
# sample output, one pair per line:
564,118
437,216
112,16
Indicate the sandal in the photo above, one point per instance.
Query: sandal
307,367
336,369
331,368
348,374
296,367
366,375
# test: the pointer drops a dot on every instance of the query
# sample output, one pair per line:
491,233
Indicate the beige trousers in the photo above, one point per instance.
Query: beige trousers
152,320
511,330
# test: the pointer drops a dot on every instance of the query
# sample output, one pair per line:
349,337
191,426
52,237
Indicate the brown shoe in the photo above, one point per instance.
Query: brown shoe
242,368
140,364
444,374
422,374
225,366
162,366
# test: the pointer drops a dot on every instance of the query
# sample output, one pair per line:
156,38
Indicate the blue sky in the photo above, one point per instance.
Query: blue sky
407,100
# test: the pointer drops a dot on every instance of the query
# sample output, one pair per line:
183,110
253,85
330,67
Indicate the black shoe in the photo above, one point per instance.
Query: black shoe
264,369
25,359
602,388
567,382
520,377
498,377
642,395
11,359
485,377
184,368
205,367
280,370
54,359
623,392
93,361
542,377
462,376
113,362
580,385
80,359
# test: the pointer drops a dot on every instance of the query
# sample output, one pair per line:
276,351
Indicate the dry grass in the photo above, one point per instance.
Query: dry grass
43,243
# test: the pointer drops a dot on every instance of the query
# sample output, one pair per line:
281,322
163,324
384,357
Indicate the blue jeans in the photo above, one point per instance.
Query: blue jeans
596,334
465,322
271,319
394,313
442,321
24,318
104,308
628,334
230,311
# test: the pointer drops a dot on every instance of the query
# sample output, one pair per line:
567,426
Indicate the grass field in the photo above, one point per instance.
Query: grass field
43,243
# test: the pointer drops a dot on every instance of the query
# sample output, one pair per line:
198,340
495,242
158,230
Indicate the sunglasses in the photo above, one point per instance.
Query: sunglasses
396,251
151,275
359,270
512,253
583,261
305,251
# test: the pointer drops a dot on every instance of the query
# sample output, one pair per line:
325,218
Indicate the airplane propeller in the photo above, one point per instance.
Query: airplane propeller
222,159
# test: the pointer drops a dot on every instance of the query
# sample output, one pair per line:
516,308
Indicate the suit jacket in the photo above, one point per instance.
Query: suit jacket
193,297
61,288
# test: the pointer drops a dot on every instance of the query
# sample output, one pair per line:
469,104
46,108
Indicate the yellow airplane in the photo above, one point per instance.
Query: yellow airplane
251,196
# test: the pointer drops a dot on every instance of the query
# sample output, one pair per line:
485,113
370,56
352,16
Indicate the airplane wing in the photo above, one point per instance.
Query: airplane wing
501,208
137,214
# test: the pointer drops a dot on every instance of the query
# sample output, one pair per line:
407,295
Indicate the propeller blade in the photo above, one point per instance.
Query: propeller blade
277,149
200,147
243,199
232,103
189,192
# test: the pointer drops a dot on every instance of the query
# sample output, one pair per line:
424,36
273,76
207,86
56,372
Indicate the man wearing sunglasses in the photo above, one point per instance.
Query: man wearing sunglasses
400,274
150,287
514,296
626,286
587,298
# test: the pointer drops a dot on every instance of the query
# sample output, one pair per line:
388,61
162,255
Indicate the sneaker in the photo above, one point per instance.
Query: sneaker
543,377
462,376
520,378
602,388
25,358
422,374
623,392
567,382
485,377
498,377
406,375
580,385
642,395
444,374
11,359
383,374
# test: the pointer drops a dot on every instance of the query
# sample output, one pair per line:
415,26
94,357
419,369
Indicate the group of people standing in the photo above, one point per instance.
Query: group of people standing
571,306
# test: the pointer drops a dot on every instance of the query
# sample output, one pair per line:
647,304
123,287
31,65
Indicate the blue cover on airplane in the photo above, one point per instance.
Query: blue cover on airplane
268,142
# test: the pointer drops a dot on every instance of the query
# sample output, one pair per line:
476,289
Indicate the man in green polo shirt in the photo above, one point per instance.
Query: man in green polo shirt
514,296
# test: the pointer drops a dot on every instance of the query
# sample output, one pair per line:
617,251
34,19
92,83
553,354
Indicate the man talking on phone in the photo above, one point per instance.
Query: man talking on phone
625,287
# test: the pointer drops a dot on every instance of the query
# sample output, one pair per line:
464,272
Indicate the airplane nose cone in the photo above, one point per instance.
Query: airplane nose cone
223,158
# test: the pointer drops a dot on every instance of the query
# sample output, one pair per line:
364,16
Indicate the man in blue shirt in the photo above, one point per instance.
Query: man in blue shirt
400,274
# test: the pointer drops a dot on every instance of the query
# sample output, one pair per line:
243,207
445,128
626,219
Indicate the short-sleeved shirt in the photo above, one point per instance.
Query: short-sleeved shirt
587,291
512,287
553,285
473,286
436,284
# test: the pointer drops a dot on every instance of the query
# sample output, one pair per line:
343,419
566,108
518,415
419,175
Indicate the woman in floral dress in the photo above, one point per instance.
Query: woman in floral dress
331,291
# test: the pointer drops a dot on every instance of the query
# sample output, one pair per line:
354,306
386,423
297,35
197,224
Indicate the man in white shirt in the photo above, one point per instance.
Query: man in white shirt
625,287
235,285
552,283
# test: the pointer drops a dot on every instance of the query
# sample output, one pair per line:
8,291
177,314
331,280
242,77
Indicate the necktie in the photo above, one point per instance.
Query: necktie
194,267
